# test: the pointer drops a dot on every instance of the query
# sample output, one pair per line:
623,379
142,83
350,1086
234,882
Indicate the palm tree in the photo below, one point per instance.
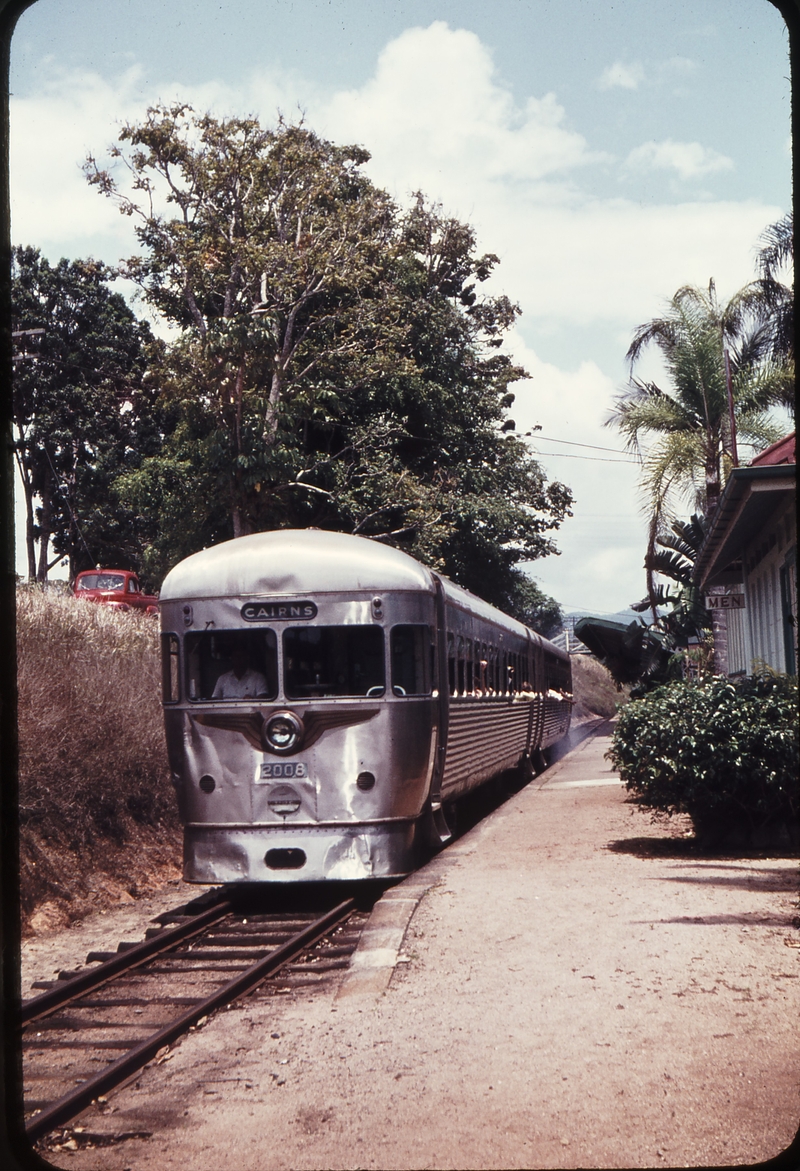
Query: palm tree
774,300
683,432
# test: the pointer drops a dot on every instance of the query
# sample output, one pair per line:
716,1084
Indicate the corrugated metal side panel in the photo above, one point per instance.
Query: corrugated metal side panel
556,721
483,739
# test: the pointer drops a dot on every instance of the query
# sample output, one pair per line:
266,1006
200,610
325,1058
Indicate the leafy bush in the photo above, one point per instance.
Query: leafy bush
725,753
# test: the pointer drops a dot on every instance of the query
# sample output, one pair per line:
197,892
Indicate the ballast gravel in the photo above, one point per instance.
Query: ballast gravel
572,989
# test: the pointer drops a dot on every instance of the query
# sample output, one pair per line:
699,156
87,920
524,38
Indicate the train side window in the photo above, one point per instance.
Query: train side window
410,660
170,675
460,687
483,669
232,664
469,686
451,662
556,673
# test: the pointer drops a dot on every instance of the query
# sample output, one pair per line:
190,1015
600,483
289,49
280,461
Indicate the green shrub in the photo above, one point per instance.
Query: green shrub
724,752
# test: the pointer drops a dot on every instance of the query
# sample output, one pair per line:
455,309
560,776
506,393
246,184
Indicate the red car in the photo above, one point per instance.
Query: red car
114,587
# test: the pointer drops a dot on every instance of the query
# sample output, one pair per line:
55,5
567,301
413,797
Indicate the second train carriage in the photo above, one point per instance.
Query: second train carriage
325,695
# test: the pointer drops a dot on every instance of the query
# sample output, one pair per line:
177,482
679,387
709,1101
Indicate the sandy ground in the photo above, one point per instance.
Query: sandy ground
573,990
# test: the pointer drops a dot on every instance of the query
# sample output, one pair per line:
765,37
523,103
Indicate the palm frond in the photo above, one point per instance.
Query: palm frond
778,247
670,564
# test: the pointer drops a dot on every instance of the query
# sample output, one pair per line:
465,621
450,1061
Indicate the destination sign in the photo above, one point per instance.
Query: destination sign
278,611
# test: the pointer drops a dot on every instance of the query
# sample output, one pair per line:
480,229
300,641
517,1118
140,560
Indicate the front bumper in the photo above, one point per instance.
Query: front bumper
213,854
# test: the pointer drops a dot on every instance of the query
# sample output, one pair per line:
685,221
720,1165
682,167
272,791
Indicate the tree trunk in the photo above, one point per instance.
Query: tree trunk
45,521
712,475
30,540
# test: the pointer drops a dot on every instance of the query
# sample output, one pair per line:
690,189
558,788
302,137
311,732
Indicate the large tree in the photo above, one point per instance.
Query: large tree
336,364
82,411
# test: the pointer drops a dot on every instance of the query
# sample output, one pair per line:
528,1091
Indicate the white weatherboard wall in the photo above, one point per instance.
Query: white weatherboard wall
758,635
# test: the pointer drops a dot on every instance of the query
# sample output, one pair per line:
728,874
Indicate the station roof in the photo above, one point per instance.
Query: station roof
618,645
751,498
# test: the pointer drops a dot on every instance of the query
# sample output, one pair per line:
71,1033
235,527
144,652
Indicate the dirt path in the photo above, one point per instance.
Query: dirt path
574,990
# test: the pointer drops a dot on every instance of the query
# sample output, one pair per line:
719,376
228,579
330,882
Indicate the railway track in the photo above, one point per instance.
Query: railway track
95,1028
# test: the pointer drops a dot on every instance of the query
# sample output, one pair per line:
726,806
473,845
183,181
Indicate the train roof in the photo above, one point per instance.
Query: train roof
294,561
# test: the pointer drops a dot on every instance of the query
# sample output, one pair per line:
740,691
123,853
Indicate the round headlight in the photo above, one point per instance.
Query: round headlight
282,732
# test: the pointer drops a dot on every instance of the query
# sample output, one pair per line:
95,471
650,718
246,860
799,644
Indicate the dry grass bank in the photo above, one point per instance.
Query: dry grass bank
594,689
98,821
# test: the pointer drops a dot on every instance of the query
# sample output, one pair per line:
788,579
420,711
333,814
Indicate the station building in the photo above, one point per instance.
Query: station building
747,565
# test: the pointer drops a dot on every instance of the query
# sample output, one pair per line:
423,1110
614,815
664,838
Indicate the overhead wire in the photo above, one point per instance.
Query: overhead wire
535,437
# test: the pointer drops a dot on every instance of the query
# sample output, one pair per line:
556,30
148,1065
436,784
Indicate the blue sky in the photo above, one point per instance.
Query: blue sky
607,153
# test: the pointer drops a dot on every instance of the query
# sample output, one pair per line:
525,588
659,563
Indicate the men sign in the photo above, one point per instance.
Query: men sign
724,601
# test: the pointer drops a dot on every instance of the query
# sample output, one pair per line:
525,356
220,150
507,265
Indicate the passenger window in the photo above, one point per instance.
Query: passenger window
410,657
482,669
333,660
232,664
451,663
170,677
461,671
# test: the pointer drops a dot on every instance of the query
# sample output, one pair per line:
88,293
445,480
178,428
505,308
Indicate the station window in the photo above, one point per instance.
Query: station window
333,660
170,677
232,664
411,660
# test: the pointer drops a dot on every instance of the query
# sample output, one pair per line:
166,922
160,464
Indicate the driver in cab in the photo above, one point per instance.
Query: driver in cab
241,682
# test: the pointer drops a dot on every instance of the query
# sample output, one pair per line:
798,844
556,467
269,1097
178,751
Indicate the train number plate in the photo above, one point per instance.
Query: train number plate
283,770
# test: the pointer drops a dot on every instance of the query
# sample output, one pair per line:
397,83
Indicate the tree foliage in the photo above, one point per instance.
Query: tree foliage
82,411
335,364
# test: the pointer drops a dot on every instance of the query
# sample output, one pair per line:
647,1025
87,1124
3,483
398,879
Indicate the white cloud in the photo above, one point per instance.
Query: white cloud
434,99
621,76
681,66
51,135
689,160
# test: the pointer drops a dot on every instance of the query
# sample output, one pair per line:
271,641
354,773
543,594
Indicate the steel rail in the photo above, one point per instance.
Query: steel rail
131,957
66,1107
